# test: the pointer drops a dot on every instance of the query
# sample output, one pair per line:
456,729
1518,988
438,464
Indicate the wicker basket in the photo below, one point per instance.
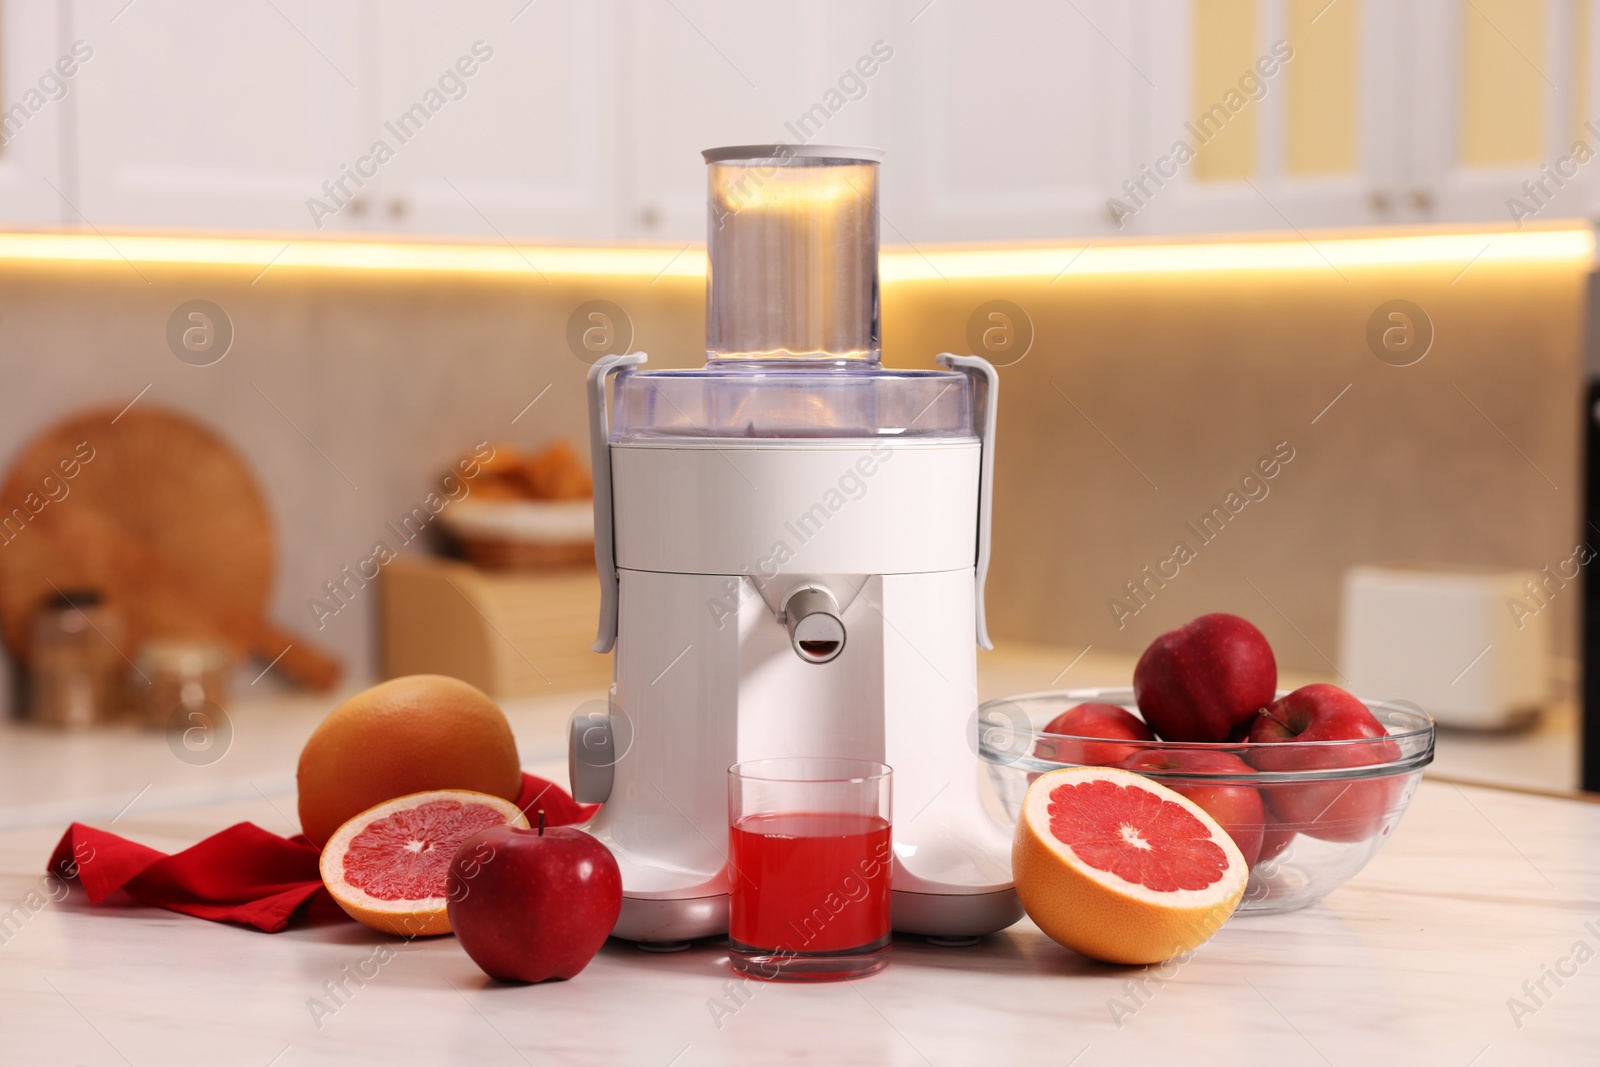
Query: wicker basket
522,534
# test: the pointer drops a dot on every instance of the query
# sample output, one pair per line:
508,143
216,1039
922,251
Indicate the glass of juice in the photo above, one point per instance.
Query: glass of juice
808,868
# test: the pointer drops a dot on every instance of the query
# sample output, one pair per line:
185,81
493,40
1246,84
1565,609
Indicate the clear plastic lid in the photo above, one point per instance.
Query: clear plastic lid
756,401
792,314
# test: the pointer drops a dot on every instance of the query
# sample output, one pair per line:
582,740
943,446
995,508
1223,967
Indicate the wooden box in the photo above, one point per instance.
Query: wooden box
516,633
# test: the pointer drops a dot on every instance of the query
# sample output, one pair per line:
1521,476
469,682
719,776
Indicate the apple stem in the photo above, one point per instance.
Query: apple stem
541,822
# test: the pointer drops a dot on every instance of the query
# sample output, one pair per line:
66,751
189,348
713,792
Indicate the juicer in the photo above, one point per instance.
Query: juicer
792,544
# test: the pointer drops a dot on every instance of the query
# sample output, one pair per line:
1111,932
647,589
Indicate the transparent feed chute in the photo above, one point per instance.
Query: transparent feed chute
792,343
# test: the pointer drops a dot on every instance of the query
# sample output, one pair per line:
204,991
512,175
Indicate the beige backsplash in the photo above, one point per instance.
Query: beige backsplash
392,377
1143,401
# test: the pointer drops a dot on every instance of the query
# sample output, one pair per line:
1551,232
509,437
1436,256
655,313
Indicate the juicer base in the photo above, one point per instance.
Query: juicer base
680,919
954,915
940,915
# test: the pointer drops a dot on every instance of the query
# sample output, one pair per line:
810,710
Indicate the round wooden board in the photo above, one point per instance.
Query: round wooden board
159,515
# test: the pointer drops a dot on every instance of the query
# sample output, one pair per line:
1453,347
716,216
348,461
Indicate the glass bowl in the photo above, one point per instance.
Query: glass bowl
1319,810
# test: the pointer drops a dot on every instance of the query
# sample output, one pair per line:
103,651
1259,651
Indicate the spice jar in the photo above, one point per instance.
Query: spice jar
76,669
178,675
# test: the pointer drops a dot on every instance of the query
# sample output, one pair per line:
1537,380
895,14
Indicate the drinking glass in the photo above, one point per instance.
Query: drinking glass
809,860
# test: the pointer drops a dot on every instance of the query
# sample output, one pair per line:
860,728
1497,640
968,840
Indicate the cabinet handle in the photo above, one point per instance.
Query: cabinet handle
1421,199
1379,201
398,208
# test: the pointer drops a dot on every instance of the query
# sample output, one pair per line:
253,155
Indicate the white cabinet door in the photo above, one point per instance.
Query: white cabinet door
584,119
502,119
705,73
39,77
195,113
1273,115
1011,121
1499,102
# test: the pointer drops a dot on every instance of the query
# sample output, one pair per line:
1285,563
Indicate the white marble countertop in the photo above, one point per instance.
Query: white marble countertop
1416,960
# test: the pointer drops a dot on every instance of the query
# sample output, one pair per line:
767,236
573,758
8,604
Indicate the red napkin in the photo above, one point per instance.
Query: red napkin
243,874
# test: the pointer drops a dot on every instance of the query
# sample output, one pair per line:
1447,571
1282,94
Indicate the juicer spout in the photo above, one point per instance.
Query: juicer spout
815,630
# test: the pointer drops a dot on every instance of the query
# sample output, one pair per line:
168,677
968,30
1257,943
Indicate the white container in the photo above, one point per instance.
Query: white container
1469,645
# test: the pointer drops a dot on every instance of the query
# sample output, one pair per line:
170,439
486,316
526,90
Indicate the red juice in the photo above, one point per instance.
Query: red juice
809,881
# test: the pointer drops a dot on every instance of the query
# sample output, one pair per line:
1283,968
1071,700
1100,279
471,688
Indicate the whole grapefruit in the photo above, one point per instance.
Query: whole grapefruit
407,735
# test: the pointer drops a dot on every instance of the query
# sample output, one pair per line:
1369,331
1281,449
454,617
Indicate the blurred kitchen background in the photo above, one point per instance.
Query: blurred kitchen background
294,269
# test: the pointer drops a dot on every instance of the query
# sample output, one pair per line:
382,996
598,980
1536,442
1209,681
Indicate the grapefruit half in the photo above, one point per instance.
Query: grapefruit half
1120,868
387,866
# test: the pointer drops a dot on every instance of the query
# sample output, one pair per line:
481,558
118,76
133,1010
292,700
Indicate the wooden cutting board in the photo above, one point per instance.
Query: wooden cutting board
163,518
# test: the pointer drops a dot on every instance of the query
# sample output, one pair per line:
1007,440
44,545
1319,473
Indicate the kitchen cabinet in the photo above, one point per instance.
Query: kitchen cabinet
953,92
580,121
198,114
294,115
1501,91
37,97
709,72
525,144
1267,115
1411,111
1014,124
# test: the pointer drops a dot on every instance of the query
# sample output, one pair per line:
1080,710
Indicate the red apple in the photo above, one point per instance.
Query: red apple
1349,810
1198,682
530,905
1237,808
1092,720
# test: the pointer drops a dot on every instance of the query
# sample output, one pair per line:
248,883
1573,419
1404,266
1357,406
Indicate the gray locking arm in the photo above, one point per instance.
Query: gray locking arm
605,552
985,399
591,757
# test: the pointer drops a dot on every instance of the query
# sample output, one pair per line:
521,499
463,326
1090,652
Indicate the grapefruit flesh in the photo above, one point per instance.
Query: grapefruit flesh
1121,868
387,866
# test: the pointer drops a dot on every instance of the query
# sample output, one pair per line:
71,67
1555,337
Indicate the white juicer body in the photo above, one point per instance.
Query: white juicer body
707,540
